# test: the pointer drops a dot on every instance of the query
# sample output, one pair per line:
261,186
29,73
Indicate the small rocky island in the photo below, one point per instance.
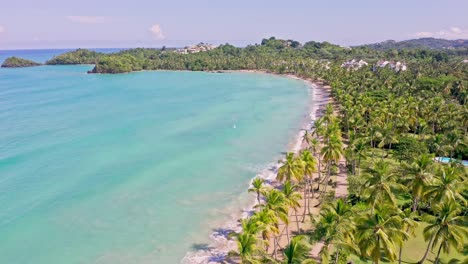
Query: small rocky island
15,62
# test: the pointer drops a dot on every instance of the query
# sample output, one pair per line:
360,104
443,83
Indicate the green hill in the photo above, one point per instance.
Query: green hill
422,43
15,62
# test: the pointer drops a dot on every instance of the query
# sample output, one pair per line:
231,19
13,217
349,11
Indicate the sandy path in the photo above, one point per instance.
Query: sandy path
341,191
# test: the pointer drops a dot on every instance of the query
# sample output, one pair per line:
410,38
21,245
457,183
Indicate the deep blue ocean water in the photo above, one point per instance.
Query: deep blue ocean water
132,168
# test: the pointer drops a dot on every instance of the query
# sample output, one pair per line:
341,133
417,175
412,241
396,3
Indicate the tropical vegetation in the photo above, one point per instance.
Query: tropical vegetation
389,124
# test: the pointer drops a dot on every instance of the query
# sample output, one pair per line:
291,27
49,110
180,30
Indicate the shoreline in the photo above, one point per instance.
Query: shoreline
220,245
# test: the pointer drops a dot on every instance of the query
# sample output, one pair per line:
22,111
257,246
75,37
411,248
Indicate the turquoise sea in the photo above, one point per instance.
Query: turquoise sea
132,168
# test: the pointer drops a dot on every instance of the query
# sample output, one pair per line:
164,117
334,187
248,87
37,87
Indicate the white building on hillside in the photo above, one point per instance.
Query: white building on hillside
396,66
354,64
197,48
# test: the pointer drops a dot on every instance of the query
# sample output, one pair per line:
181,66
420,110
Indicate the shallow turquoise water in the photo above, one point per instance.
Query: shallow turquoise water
132,168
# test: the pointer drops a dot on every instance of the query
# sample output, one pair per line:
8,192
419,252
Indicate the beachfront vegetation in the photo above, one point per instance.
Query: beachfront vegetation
387,125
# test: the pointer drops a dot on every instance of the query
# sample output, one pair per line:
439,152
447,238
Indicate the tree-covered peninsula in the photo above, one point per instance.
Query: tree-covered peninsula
79,56
15,62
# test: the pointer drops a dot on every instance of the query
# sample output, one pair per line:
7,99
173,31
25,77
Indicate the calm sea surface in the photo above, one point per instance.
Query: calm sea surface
131,168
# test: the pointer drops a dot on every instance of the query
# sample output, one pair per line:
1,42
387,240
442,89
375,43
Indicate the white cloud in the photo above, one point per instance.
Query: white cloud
451,33
157,31
2,29
424,34
86,19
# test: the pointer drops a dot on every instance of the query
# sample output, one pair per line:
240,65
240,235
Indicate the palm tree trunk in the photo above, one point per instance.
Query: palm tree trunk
297,221
266,244
258,197
354,167
306,198
399,254
336,256
312,195
401,248
287,233
318,172
427,250
359,166
274,247
415,204
438,254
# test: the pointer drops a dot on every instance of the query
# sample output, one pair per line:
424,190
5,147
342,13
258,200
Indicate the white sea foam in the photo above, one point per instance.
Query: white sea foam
220,246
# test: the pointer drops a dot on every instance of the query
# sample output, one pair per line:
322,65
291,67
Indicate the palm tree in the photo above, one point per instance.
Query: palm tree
291,169
247,246
380,232
297,251
336,224
307,137
292,199
420,173
446,228
331,152
276,202
360,149
251,225
267,219
257,187
447,185
379,184
314,144
309,167
409,224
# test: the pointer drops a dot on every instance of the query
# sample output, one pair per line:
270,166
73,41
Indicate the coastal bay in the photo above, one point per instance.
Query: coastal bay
156,164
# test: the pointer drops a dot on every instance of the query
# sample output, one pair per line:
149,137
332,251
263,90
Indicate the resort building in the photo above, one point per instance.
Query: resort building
396,66
197,48
354,64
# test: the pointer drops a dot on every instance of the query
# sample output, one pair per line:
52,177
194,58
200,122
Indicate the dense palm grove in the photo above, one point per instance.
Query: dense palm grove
389,125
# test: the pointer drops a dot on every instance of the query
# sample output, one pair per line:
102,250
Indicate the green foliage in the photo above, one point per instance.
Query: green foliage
79,56
15,62
117,64
408,148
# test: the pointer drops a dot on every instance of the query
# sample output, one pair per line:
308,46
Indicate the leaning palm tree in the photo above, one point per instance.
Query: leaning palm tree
446,228
257,187
292,168
310,166
380,232
297,250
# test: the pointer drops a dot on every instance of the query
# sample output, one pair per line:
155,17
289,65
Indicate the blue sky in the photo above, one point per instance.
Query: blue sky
154,23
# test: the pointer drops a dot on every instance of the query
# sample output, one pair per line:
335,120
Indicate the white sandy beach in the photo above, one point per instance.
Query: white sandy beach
217,251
